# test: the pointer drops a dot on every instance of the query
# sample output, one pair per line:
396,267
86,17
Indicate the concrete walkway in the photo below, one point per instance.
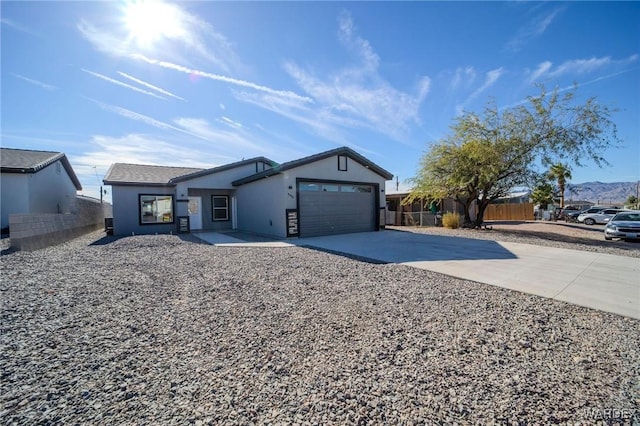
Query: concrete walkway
599,281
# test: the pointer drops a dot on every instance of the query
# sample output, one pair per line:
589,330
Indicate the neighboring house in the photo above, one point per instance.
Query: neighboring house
36,182
519,197
415,213
334,192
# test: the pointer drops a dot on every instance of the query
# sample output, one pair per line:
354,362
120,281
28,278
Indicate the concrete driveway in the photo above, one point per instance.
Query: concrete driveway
599,281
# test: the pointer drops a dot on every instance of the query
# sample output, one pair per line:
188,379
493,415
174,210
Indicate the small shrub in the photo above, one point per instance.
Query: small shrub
451,220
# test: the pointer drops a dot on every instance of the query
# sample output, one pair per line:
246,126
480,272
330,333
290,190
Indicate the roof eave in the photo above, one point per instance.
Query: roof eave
220,169
72,175
51,160
120,183
312,159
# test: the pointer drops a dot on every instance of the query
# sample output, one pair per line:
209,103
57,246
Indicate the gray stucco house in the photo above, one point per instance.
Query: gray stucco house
334,192
35,182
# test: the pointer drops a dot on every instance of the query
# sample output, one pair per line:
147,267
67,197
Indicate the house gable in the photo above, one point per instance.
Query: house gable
28,161
337,154
35,182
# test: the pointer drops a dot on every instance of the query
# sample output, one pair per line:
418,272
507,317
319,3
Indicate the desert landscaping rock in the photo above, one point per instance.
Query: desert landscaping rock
550,234
166,330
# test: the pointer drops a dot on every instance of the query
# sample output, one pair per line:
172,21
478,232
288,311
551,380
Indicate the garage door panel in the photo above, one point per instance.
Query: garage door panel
326,213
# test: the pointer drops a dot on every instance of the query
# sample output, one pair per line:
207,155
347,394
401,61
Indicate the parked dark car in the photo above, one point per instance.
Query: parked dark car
570,209
624,225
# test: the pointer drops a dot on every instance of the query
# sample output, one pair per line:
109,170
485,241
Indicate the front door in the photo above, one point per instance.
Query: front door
195,213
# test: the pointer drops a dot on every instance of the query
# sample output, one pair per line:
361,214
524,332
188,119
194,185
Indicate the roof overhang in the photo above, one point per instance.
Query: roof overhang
312,159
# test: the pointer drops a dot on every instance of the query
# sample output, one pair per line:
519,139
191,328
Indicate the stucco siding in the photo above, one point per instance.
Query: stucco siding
220,180
126,210
262,204
261,207
14,192
327,169
208,222
51,190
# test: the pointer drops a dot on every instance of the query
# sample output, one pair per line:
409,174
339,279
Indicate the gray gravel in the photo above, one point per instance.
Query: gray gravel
548,234
164,330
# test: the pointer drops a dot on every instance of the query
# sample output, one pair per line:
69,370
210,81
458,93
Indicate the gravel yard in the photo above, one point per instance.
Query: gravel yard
552,234
166,330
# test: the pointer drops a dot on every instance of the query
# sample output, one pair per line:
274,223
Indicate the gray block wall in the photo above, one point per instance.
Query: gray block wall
35,231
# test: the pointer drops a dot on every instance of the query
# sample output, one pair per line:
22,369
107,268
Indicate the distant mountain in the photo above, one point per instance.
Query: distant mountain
600,192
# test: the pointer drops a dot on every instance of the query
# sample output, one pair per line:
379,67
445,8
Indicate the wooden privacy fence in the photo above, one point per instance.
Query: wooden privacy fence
522,211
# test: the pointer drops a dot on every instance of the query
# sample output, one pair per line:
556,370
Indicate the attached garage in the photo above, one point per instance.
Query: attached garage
327,208
334,192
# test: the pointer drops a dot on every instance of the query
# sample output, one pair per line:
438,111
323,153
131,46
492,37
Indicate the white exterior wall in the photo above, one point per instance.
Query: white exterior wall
49,190
126,210
261,207
14,192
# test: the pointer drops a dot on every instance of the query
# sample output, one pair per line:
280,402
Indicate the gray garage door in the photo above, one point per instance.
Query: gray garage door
330,208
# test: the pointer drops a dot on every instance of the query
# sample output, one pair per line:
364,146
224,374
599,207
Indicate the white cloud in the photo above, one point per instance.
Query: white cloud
198,73
354,96
490,79
100,152
359,46
105,42
132,115
463,77
122,84
424,88
143,149
162,29
533,29
580,66
17,26
595,80
576,67
35,82
236,141
149,85
320,121
543,69
230,122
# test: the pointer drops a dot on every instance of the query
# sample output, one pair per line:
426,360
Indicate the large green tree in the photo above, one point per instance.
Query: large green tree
560,173
485,156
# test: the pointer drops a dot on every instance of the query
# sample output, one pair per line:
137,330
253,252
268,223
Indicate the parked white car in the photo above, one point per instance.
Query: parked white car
599,217
624,225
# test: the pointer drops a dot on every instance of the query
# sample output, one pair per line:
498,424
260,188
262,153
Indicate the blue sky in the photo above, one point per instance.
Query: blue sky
201,84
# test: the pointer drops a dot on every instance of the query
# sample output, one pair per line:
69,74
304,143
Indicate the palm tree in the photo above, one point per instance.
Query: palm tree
542,195
560,173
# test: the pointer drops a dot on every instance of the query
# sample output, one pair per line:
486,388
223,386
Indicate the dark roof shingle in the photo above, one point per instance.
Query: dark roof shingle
133,174
30,161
